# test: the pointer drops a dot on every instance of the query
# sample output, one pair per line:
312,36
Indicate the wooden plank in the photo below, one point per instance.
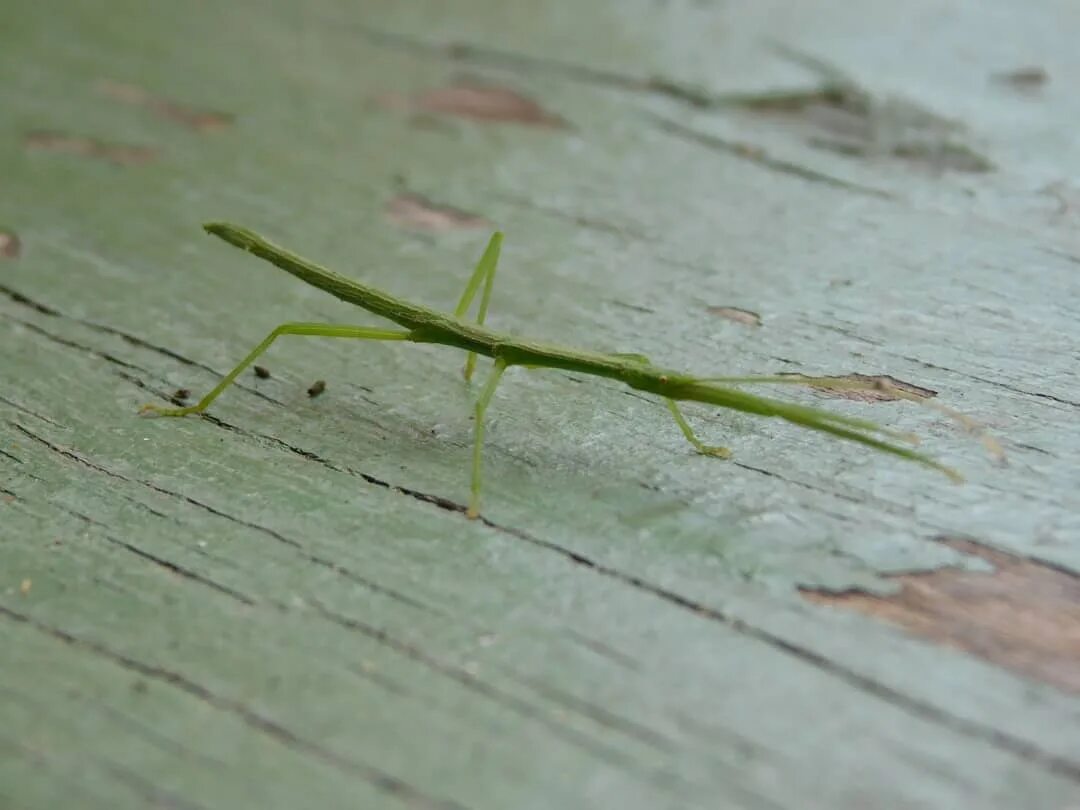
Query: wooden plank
281,604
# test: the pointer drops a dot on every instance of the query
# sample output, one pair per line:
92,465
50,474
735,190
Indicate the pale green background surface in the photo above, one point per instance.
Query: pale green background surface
267,609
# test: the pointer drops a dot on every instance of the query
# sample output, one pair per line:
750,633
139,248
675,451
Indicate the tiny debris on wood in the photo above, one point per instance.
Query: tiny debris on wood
1025,79
10,246
180,395
190,117
736,314
25,586
478,101
316,388
262,372
416,211
82,146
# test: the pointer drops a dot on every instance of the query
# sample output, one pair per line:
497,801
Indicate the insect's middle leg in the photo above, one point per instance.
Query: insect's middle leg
311,329
680,420
688,432
478,444
484,273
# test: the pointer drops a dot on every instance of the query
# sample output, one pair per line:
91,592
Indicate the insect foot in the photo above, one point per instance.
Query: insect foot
157,410
716,452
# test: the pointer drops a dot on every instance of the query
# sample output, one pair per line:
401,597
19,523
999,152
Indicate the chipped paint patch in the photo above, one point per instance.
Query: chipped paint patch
82,146
479,101
736,314
869,388
10,246
416,211
200,120
843,117
1023,616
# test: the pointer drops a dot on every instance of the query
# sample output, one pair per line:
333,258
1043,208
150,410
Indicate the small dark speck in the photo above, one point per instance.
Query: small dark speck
1024,78
181,395
317,388
262,372
139,687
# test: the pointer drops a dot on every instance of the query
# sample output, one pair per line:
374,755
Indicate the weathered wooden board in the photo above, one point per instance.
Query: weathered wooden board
282,605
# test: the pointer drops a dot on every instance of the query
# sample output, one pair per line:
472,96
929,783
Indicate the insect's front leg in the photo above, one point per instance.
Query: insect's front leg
310,329
492,383
680,420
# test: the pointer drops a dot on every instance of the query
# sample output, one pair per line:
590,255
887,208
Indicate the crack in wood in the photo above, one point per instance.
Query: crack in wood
127,337
912,705
473,683
1022,616
173,567
758,157
486,55
309,556
280,733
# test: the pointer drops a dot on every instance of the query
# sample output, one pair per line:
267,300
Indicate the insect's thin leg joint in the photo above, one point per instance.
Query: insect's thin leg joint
688,432
484,273
310,329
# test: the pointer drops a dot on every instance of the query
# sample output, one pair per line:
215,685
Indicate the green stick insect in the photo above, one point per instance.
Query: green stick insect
423,325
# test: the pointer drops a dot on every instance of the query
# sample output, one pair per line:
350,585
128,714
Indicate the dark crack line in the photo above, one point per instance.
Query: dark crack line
581,221
14,458
283,735
851,333
1013,554
490,691
760,158
603,650
168,565
134,340
74,344
896,698
595,712
183,571
994,383
1061,254
522,63
25,301
309,556
1019,747
23,409
435,500
897,510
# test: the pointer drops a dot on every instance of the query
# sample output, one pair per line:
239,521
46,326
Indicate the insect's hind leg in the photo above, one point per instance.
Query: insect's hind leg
688,432
484,273
311,329
492,383
680,420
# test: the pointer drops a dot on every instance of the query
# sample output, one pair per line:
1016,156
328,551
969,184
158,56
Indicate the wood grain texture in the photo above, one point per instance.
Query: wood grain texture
282,605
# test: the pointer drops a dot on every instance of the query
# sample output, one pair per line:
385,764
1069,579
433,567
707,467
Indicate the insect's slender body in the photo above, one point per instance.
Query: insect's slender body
425,325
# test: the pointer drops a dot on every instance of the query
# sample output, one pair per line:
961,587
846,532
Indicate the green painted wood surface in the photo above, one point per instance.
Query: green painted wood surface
282,606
